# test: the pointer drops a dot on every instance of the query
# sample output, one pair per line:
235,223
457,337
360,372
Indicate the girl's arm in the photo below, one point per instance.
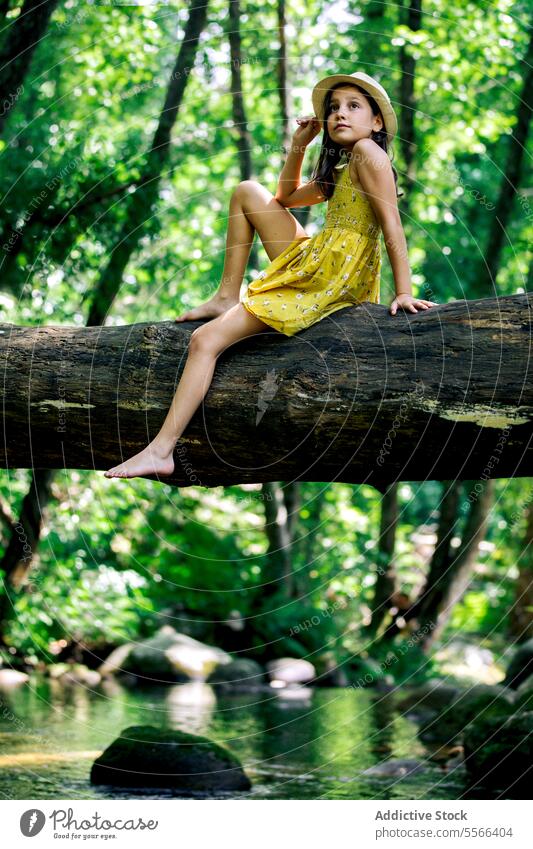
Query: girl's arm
371,164
290,191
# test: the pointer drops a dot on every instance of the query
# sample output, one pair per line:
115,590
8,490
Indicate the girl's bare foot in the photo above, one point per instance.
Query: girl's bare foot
210,309
152,460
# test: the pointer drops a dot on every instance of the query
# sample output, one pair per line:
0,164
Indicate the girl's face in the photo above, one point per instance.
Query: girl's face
350,117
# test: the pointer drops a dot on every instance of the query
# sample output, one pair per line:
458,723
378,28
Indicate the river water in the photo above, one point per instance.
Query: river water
312,743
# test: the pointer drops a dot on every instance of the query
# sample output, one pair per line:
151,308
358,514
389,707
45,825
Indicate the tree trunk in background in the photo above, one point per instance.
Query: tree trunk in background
445,589
277,576
486,274
443,551
406,123
25,33
141,202
17,558
293,496
521,615
386,580
376,35
240,120
283,87
281,504
451,567
24,540
307,543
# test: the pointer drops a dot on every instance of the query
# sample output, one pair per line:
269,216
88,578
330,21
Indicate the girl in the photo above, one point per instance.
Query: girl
308,277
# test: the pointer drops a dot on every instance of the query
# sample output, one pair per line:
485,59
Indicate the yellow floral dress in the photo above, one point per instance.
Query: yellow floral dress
315,276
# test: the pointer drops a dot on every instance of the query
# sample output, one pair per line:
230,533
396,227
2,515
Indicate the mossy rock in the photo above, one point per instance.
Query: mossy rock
480,701
169,656
241,675
433,695
521,665
144,756
524,696
499,753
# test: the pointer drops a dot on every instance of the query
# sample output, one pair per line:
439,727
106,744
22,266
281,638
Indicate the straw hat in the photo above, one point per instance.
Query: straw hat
368,84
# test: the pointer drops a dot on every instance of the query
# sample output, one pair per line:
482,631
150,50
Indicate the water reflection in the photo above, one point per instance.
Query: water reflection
301,743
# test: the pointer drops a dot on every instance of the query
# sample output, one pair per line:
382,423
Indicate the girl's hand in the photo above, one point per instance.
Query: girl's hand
408,302
309,127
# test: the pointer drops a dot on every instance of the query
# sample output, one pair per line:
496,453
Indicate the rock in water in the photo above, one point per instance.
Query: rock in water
432,695
171,656
241,675
12,678
499,753
394,768
291,670
144,756
524,695
521,666
476,702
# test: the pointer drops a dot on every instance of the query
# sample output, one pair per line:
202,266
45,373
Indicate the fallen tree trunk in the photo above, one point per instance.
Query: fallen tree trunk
361,396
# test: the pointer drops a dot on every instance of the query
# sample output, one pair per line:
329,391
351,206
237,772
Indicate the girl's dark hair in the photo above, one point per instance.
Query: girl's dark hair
330,152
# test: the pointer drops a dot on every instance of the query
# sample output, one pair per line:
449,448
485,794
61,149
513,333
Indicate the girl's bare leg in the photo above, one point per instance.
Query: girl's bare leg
252,207
206,343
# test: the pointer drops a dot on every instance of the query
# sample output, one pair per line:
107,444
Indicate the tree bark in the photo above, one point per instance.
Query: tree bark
461,379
